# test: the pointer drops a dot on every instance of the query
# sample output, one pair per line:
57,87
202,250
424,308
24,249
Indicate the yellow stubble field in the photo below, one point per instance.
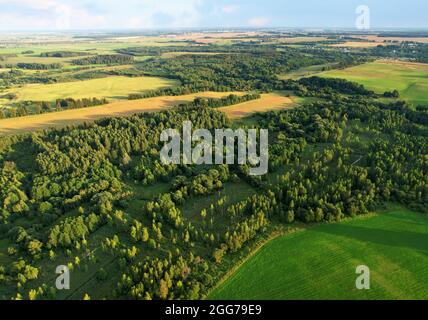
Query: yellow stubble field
114,109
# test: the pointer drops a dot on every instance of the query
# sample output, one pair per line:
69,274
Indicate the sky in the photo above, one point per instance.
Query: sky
36,15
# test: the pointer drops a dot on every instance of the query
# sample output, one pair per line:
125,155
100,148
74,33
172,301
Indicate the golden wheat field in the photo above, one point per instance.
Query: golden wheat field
115,109
379,39
357,44
268,102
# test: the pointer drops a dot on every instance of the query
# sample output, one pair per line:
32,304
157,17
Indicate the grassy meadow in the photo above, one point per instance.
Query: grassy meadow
410,79
90,45
305,72
37,59
110,87
320,262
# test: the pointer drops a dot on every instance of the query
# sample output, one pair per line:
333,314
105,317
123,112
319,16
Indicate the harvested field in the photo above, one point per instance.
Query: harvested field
115,109
394,39
268,102
357,44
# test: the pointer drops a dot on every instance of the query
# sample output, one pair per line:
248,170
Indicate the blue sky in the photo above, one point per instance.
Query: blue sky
153,14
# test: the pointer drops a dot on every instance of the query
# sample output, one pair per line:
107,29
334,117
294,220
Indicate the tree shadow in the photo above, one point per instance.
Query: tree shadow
23,154
408,219
403,239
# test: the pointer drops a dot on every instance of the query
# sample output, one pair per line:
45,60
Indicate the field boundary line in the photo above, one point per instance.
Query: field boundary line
255,249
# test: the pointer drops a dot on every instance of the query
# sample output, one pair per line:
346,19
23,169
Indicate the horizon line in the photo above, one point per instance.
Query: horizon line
224,29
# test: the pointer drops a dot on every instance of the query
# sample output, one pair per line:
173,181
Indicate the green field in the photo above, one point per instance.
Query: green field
410,79
38,59
320,263
306,71
111,87
63,43
83,184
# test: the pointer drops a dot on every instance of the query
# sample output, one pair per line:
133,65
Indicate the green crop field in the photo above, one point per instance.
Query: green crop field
111,87
306,71
320,262
38,59
91,47
410,79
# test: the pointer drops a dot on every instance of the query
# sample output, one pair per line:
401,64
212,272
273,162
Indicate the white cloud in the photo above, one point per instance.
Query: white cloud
9,22
135,23
98,14
46,14
230,9
167,13
32,4
258,22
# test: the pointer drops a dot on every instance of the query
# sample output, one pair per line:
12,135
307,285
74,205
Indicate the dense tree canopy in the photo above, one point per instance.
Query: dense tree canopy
96,197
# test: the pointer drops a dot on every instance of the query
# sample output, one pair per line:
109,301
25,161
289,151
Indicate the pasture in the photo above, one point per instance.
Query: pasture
89,46
320,262
306,71
37,59
298,40
111,88
410,79
169,55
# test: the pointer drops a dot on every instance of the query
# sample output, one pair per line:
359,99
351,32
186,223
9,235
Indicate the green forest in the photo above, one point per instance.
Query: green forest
95,197
77,196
